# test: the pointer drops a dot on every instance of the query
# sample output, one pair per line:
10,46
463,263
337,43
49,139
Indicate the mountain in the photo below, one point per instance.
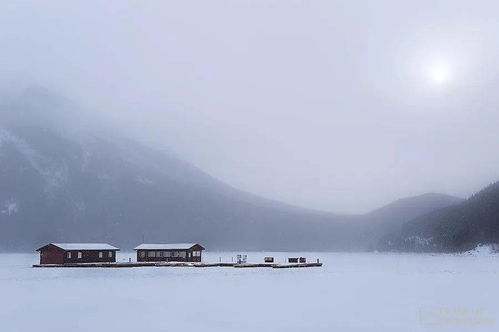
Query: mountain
62,184
454,228
59,182
54,188
412,207
390,218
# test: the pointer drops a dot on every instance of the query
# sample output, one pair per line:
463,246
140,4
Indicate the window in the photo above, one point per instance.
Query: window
160,254
196,253
142,254
181,254
101,254
151,254
110,254
80,255
166,253
69,254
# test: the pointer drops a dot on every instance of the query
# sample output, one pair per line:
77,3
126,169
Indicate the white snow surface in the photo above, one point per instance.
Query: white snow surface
165,246
85,246
10,208
484,250
352,292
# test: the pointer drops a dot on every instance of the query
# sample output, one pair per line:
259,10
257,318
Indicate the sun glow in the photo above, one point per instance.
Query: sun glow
439,74
438,70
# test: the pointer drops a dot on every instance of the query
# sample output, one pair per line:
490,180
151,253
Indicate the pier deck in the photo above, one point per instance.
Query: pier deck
175,264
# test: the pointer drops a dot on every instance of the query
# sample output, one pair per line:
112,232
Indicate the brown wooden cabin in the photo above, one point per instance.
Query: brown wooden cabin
62,253
175,252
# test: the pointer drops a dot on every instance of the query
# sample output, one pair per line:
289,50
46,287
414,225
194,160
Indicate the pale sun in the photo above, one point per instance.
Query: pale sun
439,74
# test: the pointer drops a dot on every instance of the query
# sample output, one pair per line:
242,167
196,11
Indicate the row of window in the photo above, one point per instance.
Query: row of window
181,254
101,254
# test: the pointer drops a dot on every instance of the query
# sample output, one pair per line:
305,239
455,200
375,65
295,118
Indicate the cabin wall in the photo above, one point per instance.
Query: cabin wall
90,256
143,256
51,255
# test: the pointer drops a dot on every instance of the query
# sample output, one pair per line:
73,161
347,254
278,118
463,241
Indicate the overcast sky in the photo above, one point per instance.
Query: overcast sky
336,105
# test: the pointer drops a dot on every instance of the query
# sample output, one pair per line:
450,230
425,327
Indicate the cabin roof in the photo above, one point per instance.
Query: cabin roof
166,246
83,246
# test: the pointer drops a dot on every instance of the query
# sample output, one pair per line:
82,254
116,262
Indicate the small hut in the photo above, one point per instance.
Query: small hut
62,253
174,252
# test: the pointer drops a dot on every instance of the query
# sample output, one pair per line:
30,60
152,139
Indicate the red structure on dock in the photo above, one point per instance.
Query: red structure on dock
62,253
176,252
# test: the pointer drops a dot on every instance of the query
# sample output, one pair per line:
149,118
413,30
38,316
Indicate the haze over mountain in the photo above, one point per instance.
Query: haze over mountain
341,106
63,185
392,217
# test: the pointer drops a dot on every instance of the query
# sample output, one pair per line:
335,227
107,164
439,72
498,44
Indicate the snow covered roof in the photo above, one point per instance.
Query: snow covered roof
84,246
166,246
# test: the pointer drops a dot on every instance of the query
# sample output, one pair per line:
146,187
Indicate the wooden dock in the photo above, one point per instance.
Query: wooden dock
249,265
296,265
176,264
278,266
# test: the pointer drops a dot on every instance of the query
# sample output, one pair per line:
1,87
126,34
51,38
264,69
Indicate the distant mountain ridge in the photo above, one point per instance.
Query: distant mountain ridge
391,218
459,227
411,207
54,188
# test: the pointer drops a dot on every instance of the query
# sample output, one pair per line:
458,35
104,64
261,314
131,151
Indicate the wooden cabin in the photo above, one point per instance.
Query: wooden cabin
175,252
62,253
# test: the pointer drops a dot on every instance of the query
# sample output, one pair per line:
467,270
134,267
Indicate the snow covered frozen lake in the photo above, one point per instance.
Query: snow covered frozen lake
351,292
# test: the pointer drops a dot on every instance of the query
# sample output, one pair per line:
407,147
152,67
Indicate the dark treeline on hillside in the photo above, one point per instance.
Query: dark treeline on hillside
455,228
